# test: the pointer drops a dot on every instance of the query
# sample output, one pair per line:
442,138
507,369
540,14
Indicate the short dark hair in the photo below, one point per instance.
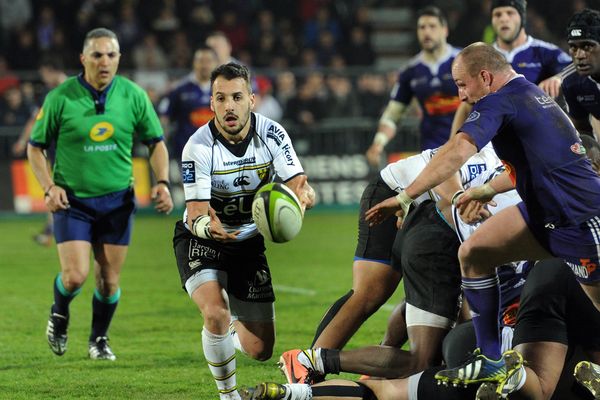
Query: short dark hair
99,33
479,55
433,11
53,63
232,71
584,25
204,47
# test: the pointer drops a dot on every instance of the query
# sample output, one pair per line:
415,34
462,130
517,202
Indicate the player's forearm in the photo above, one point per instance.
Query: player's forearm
460,116
39,166
159,161
443,165
386,130
502,183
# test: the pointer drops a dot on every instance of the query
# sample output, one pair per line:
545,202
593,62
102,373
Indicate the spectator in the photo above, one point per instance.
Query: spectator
306,108
180,53
14,111
358,51
7,78
265,103
342,101
373,94
149,55
285,88
321,22
23,45
235,29
46,26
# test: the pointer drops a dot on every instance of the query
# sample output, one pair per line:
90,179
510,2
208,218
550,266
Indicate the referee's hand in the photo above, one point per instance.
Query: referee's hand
162,199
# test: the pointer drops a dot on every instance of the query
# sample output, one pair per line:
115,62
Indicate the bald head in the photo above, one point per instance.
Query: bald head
481,56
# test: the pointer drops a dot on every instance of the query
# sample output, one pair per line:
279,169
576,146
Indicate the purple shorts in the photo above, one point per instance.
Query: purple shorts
103,219
579,245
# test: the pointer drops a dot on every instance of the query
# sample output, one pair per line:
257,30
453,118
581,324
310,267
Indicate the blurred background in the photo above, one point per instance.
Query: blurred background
324,68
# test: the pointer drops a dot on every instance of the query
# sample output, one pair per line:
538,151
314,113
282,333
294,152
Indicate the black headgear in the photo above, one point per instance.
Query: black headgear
519,5
584,25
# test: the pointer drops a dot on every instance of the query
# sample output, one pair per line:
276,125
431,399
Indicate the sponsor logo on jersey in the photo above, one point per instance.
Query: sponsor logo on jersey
259,287
188,172
288,155
544,100
474,116
529,65
219,184
584,269
578,148
243,161
241,181
40,114
440,104
102,131
587,98
276,134
475,169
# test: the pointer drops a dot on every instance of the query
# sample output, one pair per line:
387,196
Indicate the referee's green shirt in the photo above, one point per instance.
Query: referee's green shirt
94,133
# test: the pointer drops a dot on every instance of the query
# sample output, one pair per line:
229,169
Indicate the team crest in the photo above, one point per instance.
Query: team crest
473,117
102,131
263,174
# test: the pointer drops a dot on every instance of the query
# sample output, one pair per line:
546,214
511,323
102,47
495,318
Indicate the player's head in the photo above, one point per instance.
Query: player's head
583,36
219,42
432,28
508,19
205,60
475,69
50,69
100,57
232,98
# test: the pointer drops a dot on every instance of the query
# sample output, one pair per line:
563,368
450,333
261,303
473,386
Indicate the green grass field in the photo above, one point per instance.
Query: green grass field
156,330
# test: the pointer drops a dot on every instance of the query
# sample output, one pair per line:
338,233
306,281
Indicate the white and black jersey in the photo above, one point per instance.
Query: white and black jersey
228,175
400,174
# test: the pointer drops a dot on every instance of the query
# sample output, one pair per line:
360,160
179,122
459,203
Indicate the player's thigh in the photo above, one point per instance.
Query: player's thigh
593,291
426,344
388,389
375,280
502,238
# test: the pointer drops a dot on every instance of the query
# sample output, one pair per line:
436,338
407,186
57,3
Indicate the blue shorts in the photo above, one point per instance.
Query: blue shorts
578,245
103,219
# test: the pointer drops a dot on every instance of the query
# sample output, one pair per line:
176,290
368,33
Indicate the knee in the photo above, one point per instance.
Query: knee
468,258
366,301
73,280
260,350
216,319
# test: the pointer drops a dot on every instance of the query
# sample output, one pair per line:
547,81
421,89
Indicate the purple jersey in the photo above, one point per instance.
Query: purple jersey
581,94
434,88
188,106
536,60
541,148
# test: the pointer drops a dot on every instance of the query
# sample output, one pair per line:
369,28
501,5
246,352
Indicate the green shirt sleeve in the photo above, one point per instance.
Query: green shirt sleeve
148,127
46,126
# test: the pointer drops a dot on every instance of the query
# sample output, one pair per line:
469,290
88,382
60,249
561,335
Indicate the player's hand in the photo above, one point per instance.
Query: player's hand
551,86
161,196
19,147
374,154
216,228
473,212
56,199
398,205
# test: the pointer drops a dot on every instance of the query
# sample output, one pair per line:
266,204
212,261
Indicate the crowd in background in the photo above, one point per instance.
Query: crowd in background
314,58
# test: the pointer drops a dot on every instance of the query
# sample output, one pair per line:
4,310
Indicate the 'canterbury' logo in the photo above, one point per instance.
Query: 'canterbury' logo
575,32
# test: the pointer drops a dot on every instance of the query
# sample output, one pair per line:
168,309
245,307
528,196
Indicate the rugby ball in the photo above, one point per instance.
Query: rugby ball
277,213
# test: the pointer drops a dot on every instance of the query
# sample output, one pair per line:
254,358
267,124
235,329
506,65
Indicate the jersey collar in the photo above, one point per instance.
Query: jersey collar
98,96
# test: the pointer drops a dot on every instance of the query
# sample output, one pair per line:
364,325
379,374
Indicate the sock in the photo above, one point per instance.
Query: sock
297,391
62,297
330,314
483,295
103,309
237,344
331,361
220,355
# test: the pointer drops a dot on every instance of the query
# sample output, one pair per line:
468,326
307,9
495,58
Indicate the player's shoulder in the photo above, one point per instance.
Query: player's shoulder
126,85
570,77
534,42
267,128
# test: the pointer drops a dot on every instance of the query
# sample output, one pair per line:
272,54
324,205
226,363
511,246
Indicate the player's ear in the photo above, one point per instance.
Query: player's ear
212,107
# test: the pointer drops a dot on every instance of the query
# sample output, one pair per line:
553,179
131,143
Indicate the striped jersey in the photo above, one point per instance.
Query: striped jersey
582,94
229,175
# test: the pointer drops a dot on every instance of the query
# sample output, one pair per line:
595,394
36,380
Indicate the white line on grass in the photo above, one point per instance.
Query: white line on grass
309,292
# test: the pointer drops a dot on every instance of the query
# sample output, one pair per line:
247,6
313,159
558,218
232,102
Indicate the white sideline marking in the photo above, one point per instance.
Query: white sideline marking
309,292
295,290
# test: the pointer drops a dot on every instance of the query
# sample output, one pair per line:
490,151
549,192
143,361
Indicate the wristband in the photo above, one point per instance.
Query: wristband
455,196
405,201
164,182
381,139
47,192
201,227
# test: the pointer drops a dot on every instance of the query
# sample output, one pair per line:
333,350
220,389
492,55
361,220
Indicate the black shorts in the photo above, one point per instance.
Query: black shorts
375,242
248,274
427,249
554,308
